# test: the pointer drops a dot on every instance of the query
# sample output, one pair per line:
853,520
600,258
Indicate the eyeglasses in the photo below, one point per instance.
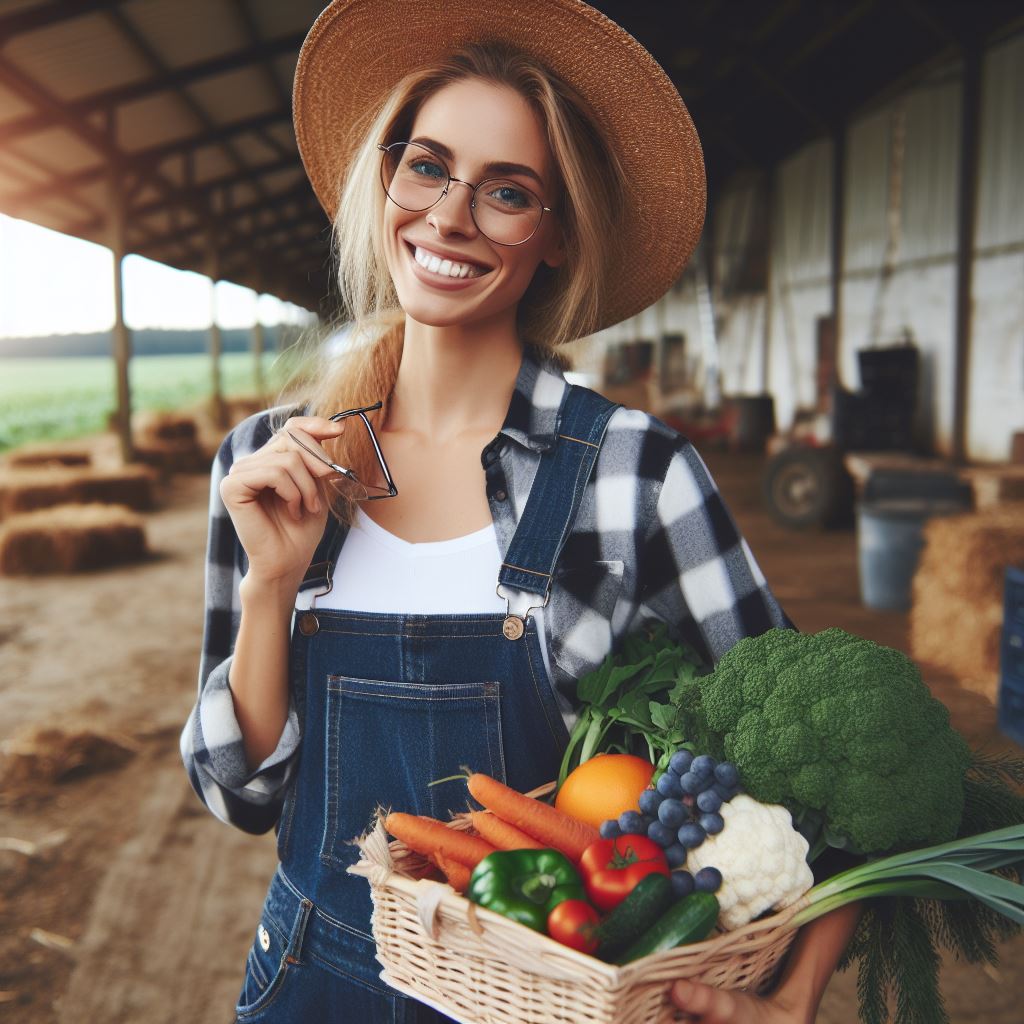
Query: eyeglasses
373,480
415,178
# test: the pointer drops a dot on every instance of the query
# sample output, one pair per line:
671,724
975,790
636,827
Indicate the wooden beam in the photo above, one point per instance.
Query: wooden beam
47,14
173,79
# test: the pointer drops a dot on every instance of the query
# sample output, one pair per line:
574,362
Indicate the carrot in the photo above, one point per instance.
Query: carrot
537,819
456,873
503,835
429,836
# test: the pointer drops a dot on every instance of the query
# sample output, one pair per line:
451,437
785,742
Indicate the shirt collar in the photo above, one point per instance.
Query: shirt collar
532,417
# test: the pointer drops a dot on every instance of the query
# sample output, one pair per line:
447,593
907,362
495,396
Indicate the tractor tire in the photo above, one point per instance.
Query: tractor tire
808,488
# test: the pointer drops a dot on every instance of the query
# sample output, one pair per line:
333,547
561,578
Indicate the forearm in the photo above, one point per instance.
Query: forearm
816,951
259,671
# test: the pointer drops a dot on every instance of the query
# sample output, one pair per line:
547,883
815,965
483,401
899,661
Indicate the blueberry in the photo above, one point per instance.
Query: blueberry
650,800
725,792
703,765
711,823
683,884
708,880
610,829
691,835
675,855
709,800
681,761
661,834
669,785
691,783
672,813
632,823
727,774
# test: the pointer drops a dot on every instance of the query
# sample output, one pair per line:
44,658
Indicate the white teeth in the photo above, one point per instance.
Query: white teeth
444,267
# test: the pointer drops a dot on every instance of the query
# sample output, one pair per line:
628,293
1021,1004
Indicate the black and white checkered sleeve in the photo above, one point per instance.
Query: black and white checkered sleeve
211,741
697,572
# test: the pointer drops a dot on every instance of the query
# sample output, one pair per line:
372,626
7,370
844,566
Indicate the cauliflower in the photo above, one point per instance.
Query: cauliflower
762,859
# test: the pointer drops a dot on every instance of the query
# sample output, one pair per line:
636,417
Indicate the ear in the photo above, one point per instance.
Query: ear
554,254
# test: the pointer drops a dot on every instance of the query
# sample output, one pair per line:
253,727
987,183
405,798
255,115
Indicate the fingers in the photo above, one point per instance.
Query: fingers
318,427
284,473
704,1003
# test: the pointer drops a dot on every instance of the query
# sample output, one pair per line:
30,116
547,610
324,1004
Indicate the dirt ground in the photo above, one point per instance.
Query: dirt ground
138,906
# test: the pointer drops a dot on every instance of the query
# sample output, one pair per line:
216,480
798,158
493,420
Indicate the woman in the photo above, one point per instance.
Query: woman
498,198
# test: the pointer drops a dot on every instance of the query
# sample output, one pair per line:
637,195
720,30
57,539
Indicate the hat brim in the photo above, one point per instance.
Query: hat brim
358,50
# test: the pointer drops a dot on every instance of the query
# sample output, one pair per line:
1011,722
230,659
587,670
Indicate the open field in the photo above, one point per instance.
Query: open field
51,399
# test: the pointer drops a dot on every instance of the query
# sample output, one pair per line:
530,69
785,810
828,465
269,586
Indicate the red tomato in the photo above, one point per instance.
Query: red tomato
612,867
574,923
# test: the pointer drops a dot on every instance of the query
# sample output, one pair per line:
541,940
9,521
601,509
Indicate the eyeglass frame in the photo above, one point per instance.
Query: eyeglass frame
460,181
361,413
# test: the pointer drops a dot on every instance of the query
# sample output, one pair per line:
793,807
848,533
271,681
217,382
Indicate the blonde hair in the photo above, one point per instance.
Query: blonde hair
560,304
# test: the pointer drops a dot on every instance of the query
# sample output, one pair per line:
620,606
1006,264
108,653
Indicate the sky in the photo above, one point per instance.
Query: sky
55,284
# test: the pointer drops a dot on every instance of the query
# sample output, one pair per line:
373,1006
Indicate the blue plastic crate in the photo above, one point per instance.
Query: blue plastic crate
1011,676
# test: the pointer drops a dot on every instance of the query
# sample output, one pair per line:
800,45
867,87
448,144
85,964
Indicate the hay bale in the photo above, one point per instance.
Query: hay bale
38,757
23,489
175,455
49,454
159,425
957,614
71,538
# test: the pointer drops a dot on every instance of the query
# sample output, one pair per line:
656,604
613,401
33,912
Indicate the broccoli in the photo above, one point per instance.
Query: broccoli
841,731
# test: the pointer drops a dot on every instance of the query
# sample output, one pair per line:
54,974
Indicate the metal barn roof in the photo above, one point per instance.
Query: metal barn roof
185,105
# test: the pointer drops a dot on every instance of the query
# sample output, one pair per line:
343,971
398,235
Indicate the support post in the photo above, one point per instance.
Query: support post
120,337
967,202
769,241
216,391
838,199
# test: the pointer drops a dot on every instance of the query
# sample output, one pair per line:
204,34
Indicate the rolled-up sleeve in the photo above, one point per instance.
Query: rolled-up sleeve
211,744
697,573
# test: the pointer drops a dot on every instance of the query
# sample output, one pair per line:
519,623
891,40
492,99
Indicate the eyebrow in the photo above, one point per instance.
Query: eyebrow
494,167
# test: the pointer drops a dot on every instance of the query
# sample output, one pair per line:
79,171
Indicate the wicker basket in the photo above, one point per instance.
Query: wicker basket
481,968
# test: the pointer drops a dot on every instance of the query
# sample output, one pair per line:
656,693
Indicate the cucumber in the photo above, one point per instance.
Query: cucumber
689,920
634,915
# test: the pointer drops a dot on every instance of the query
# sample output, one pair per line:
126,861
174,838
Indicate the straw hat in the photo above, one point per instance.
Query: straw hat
358,50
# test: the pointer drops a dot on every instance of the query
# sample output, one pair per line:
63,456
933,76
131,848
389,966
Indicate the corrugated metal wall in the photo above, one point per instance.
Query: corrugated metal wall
899,259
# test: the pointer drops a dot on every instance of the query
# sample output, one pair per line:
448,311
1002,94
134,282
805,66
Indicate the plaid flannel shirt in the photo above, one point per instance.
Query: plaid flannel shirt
652,540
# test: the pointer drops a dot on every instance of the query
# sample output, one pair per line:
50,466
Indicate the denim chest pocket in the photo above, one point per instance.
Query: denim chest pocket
386,741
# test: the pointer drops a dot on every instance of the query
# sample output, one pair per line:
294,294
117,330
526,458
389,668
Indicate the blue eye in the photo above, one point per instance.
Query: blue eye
507,195
427,169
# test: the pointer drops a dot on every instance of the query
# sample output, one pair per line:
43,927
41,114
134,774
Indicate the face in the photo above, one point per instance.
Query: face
478,124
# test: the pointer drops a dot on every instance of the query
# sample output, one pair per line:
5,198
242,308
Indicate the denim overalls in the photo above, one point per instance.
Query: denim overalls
389,702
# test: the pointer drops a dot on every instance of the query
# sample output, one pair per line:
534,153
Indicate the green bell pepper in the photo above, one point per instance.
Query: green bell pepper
525,885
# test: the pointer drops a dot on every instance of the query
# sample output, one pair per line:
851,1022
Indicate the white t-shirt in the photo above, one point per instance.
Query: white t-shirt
379,572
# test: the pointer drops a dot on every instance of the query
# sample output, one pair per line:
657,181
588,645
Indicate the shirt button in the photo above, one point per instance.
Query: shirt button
500,495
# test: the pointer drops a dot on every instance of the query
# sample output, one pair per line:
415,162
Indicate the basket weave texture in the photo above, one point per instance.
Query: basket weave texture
482,968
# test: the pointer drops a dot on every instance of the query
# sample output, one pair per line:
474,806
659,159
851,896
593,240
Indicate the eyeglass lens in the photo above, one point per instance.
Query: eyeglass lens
362,461
415,178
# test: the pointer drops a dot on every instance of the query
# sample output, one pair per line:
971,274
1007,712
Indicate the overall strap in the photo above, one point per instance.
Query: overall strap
556,492
321,567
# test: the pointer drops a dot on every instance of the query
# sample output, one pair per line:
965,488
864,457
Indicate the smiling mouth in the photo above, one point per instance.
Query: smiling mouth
435,263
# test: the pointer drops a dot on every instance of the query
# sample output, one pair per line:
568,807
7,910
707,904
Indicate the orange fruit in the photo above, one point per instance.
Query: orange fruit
604,787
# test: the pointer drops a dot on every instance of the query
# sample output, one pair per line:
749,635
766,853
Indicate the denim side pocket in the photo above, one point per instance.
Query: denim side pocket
265,970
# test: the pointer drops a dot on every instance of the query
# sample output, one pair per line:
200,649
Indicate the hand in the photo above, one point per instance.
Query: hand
276,502
708,1005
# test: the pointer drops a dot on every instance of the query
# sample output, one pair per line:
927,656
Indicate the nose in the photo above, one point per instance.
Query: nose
452,214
